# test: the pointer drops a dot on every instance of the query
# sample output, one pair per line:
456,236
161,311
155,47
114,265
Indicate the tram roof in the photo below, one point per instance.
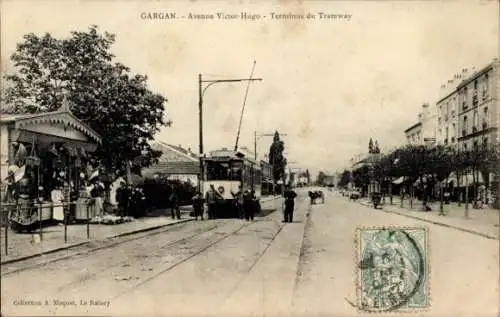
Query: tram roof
226,155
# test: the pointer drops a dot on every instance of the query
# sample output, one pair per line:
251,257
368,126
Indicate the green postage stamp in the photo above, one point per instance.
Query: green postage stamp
392,271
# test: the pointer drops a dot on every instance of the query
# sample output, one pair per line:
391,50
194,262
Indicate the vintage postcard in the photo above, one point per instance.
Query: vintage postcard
249,158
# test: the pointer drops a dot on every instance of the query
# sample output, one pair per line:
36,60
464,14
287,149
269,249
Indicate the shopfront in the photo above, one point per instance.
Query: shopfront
47,163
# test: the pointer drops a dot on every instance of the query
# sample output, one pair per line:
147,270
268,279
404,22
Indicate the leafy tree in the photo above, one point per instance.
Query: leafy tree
320,179
345,178
361,178
276,158
104,94
480,160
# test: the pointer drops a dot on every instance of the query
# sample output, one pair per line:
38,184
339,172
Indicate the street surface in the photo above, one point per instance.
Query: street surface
230,267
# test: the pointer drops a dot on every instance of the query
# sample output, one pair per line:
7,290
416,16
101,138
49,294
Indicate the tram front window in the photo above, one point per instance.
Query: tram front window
223,171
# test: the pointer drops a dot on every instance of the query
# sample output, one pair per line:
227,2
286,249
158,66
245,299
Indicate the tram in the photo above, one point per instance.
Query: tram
228,171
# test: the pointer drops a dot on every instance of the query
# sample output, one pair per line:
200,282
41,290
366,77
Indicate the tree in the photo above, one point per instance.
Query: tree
376,149
276,158
370,146
320,179
480,160
361,178
116,104
345,178
414,162
308,176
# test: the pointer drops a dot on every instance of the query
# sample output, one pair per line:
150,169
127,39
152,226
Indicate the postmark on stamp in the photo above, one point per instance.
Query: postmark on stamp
392,269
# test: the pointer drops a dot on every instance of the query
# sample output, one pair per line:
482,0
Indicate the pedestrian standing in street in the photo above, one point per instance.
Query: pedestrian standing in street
254,206
198,206
289,203
239,202
211,199
174,203
121,198
247,204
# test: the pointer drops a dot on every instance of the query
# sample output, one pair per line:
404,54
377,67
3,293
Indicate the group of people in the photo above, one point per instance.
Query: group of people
245,203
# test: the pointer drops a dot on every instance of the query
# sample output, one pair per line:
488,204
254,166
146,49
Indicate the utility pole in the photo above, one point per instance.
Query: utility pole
201,93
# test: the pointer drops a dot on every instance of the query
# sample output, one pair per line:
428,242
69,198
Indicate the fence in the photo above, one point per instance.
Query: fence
6,210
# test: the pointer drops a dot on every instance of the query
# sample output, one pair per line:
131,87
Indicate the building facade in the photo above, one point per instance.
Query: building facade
424,131
478,117
447,128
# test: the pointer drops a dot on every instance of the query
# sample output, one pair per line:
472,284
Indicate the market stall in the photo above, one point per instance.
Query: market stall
46,170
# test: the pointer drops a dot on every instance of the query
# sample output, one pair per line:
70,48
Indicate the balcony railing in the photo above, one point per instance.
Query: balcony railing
485,125
474,101
463,132
474,129
464,105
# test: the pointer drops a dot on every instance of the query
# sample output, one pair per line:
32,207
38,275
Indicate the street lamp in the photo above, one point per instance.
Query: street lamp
201,93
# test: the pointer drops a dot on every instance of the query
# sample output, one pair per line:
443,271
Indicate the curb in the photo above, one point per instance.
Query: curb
74,245
484,235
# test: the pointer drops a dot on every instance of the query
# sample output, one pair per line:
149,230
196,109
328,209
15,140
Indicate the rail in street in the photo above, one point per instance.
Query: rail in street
231,267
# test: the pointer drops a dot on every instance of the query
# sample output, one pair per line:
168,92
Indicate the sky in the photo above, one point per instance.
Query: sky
328,84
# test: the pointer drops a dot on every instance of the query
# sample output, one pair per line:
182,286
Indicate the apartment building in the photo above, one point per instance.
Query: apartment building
477,97
447,112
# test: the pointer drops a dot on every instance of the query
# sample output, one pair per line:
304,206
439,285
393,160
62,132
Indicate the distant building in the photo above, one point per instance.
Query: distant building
424,131
176,163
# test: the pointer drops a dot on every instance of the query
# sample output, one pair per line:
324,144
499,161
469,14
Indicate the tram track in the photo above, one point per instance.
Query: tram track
254,263
124,262
181,261
140,257
89,248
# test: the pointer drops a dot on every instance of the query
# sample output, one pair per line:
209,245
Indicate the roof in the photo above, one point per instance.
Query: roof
413,126
177,149
476,75
62,115
185,168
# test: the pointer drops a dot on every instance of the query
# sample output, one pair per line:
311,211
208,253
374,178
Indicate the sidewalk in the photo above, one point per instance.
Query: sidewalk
484,222
27,245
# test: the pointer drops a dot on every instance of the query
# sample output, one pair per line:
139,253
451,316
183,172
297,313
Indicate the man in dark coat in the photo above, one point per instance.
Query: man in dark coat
212,196
198,206
254,205
289,204
239,202
122,198
247,205
174,203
